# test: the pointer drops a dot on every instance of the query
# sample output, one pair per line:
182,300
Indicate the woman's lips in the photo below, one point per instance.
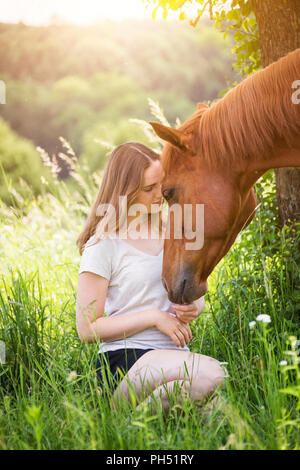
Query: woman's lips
158,202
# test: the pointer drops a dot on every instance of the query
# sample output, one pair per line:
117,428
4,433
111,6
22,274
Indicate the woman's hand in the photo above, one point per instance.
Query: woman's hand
188,313
168,323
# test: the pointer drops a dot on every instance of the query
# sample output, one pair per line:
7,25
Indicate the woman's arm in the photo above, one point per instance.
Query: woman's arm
92,326
112,328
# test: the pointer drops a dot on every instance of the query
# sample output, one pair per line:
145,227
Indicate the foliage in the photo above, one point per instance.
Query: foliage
21,167
239,20
152,55
99,84
49,395
97,140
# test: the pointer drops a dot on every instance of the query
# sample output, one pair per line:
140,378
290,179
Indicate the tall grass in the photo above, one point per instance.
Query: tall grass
49,395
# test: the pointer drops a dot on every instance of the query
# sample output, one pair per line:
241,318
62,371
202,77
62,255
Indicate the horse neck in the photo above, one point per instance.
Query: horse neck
256,126
282,155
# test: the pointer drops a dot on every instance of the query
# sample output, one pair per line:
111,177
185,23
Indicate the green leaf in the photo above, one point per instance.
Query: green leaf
154,13
252,22
291,391
233,15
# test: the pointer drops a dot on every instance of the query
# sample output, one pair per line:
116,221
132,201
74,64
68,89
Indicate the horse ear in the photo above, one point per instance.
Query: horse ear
173,136
202,105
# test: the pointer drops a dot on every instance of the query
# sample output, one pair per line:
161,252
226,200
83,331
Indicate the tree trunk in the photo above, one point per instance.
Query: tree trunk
279,33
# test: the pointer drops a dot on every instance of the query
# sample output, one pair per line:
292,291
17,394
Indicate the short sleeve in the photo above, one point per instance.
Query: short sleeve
97,257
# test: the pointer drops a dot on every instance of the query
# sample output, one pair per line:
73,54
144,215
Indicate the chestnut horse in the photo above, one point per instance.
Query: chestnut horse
216,156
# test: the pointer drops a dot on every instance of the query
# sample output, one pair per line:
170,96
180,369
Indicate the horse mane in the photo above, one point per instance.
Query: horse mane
246,121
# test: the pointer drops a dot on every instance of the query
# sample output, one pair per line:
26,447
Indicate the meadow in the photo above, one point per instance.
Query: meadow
49,396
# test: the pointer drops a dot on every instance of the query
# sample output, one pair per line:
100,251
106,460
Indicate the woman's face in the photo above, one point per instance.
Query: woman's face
151,189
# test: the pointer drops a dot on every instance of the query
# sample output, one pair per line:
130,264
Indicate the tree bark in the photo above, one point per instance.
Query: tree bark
279,33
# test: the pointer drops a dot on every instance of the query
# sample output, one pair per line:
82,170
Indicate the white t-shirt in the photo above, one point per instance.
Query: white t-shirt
134,285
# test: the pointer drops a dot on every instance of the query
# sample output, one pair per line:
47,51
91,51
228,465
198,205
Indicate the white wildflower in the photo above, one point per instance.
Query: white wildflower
252,324
264,318
283,363
294,342
72,376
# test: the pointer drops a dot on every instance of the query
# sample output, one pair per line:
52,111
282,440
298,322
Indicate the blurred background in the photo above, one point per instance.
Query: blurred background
90,72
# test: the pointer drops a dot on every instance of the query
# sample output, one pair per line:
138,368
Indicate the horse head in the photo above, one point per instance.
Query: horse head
213,160
190,181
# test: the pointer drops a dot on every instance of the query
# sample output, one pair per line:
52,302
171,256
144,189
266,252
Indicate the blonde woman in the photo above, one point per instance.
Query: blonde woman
142,335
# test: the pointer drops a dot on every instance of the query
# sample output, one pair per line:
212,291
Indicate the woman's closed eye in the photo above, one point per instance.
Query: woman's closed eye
147,190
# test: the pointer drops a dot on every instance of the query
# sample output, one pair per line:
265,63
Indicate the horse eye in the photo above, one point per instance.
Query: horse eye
168,193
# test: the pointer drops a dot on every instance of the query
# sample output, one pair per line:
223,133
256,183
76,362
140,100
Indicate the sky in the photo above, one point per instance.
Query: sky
39,12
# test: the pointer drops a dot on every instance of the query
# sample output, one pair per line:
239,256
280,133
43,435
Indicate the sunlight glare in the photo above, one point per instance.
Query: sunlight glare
81,12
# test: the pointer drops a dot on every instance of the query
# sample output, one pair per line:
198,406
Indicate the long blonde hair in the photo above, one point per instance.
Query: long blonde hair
123,176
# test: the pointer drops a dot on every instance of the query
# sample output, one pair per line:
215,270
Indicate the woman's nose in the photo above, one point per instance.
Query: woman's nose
158,193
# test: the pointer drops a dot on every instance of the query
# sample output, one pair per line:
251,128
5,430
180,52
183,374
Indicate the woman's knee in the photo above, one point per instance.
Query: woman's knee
209,376
215,372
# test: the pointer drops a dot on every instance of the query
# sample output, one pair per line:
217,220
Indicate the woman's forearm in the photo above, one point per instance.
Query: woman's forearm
119,327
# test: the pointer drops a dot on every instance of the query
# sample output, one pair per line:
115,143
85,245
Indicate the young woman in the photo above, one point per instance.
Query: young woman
143,334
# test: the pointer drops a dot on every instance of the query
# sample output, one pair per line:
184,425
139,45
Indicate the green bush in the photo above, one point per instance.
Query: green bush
21,166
